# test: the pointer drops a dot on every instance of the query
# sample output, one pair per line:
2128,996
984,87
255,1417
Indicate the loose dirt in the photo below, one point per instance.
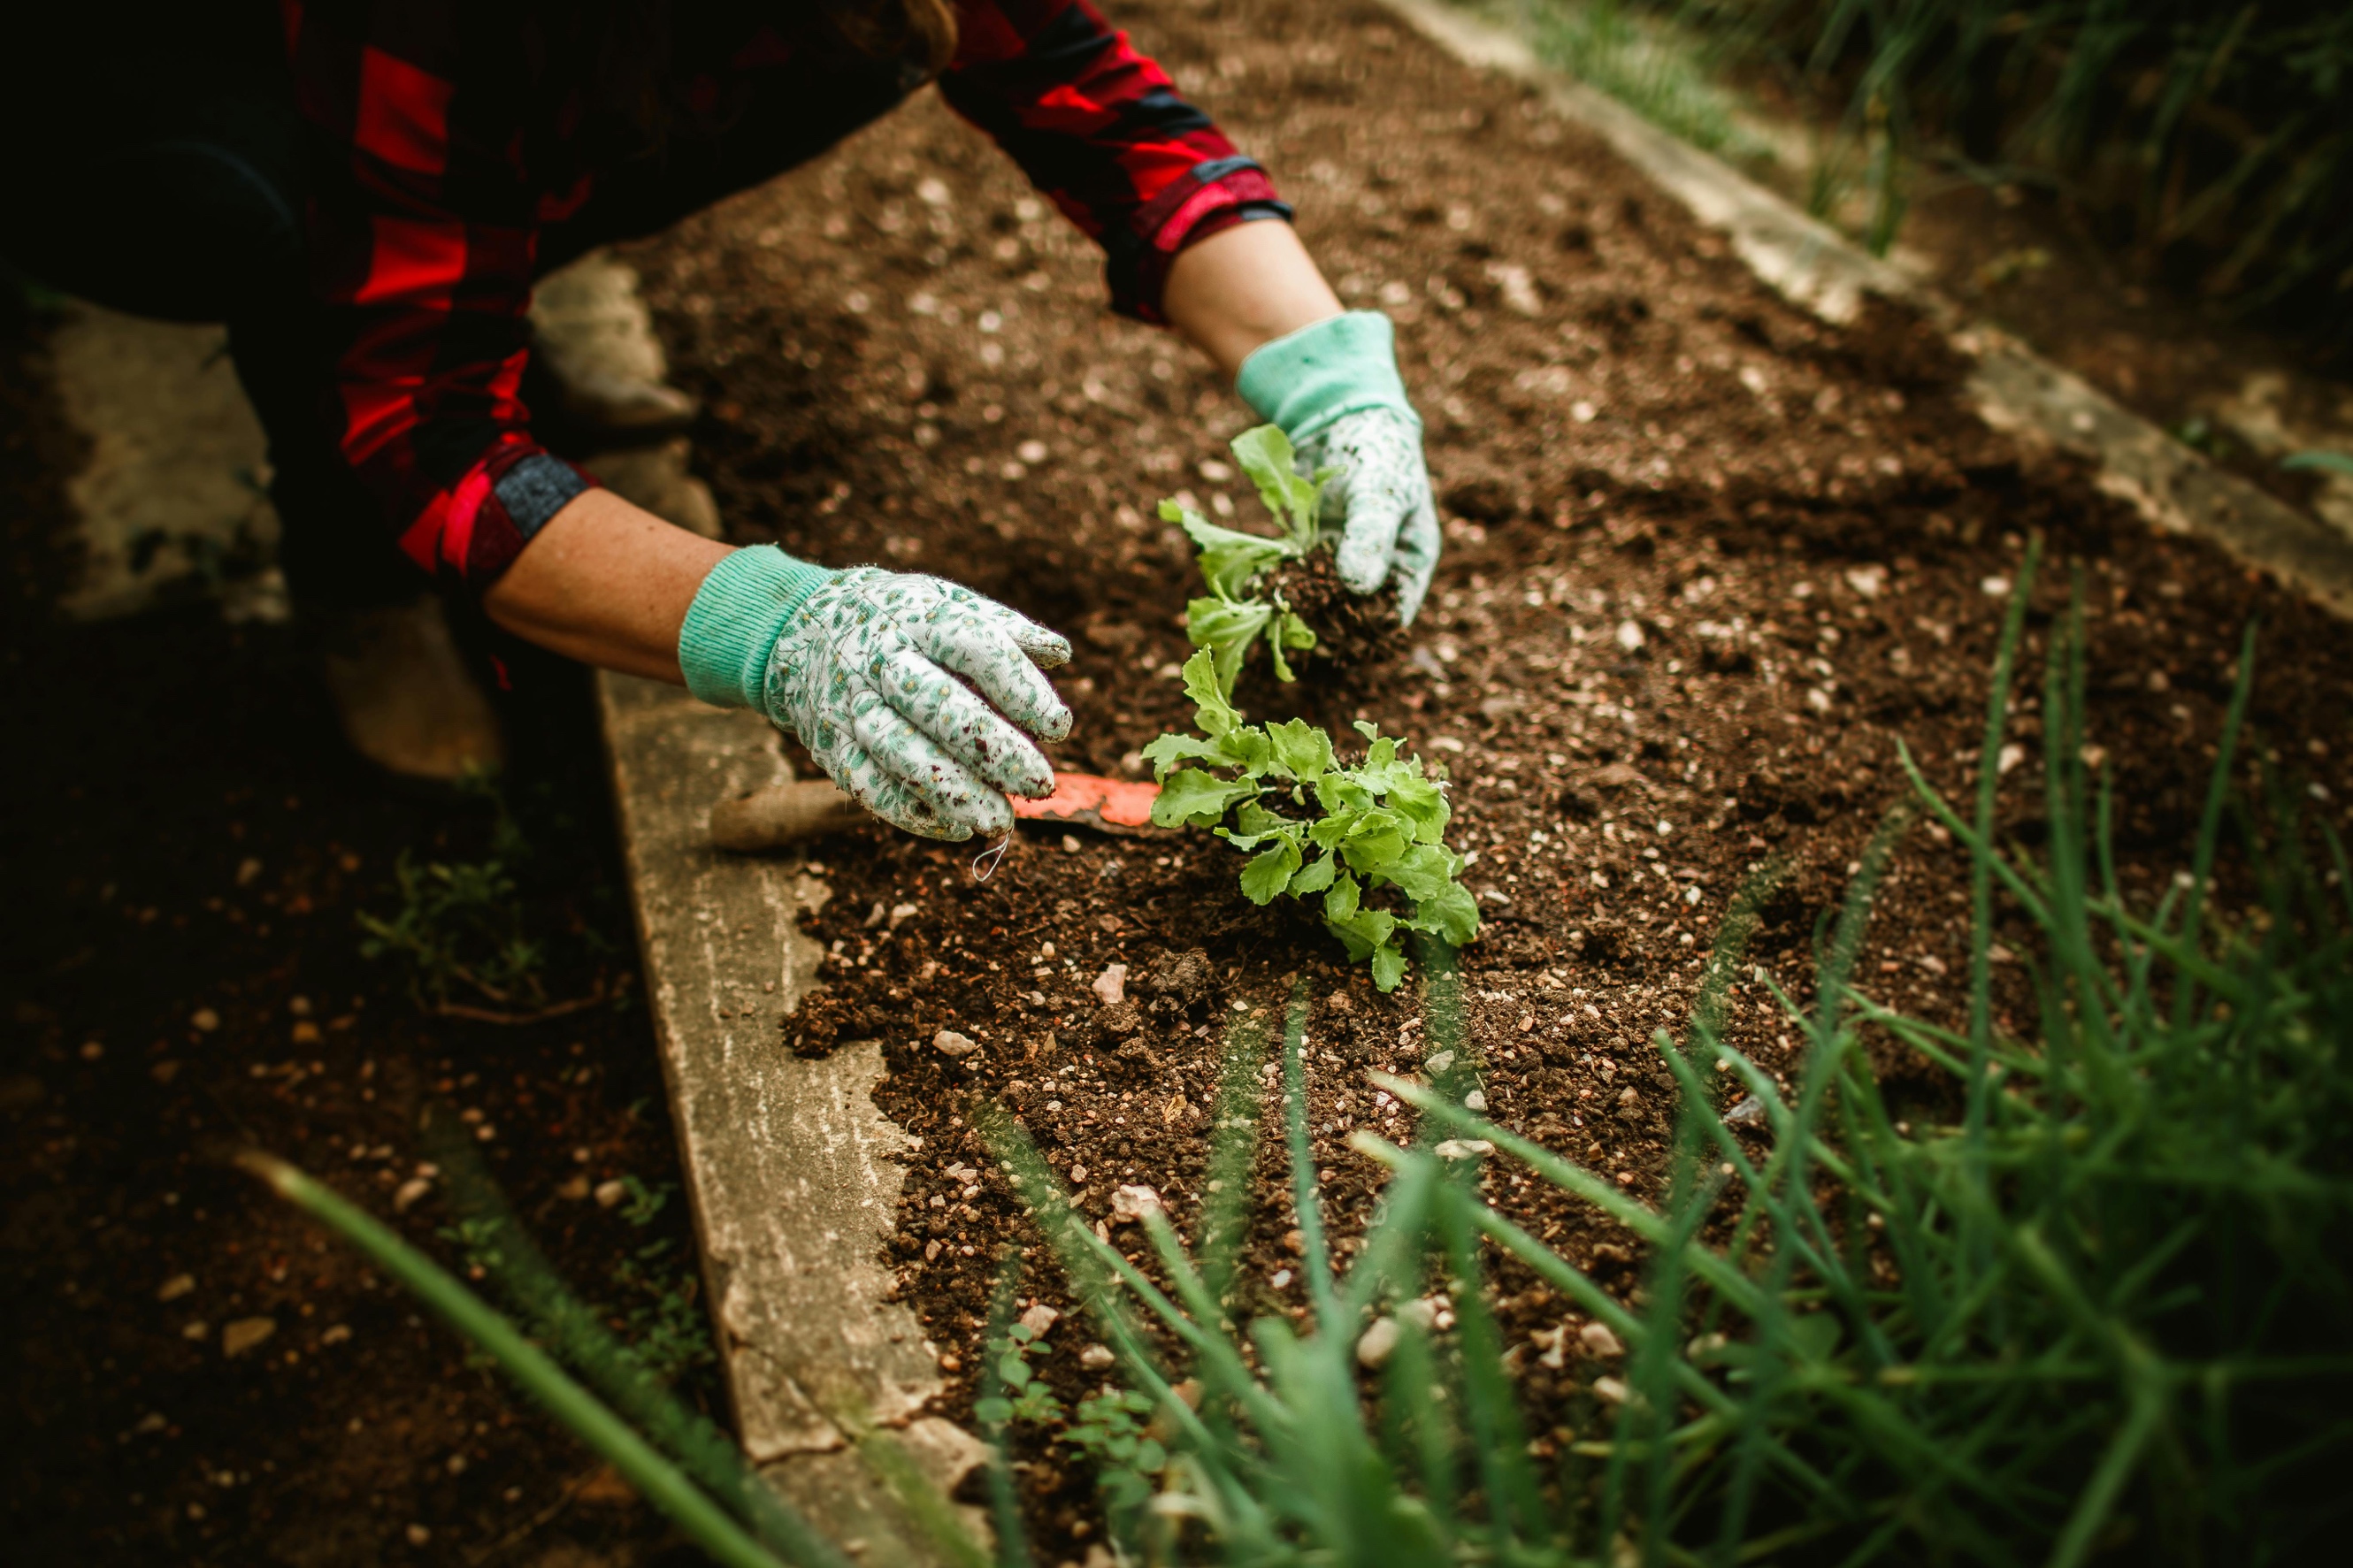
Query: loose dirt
1709,562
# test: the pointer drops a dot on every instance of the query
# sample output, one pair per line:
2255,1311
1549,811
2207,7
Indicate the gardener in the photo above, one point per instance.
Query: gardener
370,226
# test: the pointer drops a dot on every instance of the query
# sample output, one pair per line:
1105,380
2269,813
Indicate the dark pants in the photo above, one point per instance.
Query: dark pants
181,195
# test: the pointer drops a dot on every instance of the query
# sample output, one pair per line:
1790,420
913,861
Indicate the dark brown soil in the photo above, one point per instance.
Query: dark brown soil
1356,634
1710,561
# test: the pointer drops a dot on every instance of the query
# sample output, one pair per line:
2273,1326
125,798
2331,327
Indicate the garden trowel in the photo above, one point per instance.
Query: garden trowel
784,815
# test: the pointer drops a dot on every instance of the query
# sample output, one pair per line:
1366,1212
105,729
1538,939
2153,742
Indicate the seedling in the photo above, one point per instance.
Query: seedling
1380,823
1244,601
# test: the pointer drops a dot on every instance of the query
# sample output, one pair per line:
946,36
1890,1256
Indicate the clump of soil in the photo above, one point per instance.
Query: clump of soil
1353,631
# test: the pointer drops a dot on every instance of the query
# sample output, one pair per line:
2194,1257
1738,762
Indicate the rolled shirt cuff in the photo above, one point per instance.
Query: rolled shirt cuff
1305,380
731,628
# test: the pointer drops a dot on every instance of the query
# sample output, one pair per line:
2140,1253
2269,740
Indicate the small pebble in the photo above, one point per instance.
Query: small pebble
239,1337
177,1286
1111,985
610,1194
949,1043
204,1020
1134,1203
1374,1347
1474,1100
1094,1358
1040,1318
1597,1337
410,1191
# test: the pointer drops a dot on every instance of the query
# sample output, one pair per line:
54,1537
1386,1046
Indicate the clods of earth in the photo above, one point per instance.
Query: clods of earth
1709,562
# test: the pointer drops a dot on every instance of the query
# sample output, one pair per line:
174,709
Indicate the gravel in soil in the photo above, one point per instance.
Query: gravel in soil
1709,561
198,1375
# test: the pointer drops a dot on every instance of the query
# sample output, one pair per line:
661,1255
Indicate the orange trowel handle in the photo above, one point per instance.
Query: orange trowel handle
1098,802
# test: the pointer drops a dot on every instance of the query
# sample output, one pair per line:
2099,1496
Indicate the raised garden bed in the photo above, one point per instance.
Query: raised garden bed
1708,560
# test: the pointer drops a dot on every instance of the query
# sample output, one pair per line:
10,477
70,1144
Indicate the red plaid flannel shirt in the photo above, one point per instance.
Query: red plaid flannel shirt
424,255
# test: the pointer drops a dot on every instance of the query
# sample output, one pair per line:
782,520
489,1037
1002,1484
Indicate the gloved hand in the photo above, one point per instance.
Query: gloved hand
1334,389
856,664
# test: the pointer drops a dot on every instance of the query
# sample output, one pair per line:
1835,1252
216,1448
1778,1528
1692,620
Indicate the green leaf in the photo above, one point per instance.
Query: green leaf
1283,670
992,1411
1254,821
1388,966
1013,1370
2328,462
1363,932
1316,878
1213,714
1340,792
1291,632
1266,456
1150,1457
1375,841
1230,558
1171,749
1248,748
1227,629
1191,798
1421,803
1301,751
1423,871
1452,912
1269,873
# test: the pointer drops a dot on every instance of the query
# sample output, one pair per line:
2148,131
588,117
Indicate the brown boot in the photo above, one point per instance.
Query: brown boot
406,701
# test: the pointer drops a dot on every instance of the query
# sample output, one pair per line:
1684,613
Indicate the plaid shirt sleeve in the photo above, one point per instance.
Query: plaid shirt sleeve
1100,129
424,311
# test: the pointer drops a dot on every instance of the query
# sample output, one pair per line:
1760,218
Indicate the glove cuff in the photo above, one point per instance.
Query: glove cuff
731,628
1307,379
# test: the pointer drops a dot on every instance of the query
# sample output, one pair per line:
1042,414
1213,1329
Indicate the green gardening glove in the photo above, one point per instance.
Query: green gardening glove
1334,389
857,664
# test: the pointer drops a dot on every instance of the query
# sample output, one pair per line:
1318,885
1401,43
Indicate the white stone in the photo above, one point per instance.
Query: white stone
1597,1337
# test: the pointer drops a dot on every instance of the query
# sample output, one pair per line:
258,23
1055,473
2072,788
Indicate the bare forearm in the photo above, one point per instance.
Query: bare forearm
1244,288
607,583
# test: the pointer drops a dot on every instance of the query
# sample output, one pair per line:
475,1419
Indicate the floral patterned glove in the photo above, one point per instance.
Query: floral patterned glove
857,664
1334,389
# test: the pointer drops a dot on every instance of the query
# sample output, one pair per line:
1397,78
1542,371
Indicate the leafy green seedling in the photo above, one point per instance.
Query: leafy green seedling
1242,603
1024,1398
1380,823
1113,1430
